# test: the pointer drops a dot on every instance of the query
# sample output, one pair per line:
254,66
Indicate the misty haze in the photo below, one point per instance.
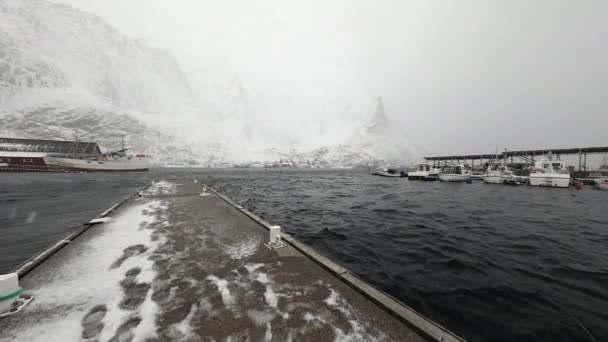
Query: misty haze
422,170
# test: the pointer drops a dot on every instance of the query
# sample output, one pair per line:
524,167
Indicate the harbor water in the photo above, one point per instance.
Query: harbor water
489,262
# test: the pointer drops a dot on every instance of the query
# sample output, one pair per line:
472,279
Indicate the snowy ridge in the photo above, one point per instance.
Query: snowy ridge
63,70
49,45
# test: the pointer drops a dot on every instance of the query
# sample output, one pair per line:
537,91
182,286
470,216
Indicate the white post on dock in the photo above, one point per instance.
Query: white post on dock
275,235
9,292
275,238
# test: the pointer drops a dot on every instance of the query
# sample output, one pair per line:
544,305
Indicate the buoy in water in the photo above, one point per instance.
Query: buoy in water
579,186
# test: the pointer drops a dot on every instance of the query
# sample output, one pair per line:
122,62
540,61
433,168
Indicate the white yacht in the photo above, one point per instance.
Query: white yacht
497,173
454,174
423,171
550,173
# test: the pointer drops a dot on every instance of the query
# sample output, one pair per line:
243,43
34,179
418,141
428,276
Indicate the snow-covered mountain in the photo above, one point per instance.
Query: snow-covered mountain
45,45
372,143
62,69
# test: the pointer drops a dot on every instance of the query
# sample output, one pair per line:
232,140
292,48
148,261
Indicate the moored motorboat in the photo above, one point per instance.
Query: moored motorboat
454,174
550,173
423,171
601,183
497,173
136,162
113,161
389,173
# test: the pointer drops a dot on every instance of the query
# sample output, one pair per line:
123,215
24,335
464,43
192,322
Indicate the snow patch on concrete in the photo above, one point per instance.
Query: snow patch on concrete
161,187
268,335
260,318
253,267
310,317
359,330
332,300
148,311
271,297
262,278
184,327
242,249
222,287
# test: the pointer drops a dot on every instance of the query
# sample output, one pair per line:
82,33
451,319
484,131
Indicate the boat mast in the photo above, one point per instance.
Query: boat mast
75,144
604,164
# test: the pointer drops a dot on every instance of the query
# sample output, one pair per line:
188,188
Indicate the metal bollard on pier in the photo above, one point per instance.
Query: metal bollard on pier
275,238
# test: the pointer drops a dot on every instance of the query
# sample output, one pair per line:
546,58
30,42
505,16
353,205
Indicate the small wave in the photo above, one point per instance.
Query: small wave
386,211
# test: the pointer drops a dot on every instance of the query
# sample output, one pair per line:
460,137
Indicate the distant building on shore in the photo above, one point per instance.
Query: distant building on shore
31,152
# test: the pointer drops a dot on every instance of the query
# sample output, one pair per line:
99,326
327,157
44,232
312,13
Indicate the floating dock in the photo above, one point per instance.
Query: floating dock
178,263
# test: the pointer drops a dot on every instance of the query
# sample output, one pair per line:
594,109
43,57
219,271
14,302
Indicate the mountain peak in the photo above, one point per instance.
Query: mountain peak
378,123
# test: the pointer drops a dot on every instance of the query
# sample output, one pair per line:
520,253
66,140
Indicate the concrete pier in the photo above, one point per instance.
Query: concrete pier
172,264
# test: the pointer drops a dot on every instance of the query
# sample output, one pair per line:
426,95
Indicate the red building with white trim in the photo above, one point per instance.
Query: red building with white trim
29,153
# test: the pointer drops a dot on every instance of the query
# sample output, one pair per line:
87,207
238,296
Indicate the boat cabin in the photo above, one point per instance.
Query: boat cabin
550,166
454,170
496,167
424,167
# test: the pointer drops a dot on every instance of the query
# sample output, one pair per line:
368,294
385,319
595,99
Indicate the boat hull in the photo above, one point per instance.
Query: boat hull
493,179
454,178
388,175
422,175
602,183
69,164
553,181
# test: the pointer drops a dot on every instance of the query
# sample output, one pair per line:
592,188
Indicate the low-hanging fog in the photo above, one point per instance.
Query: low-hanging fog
455,76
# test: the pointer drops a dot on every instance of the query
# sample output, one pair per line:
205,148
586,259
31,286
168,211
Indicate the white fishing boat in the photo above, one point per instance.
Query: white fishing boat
550,173
113,161
497,173
131,163
423,171
454,174
602,183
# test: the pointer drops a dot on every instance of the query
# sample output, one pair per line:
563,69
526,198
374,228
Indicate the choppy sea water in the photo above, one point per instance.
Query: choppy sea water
490,262
39,209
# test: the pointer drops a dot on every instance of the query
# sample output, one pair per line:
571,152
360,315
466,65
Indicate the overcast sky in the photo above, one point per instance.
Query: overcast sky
456,76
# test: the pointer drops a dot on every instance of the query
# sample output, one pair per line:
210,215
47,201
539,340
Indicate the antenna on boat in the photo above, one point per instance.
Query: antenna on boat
75,143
